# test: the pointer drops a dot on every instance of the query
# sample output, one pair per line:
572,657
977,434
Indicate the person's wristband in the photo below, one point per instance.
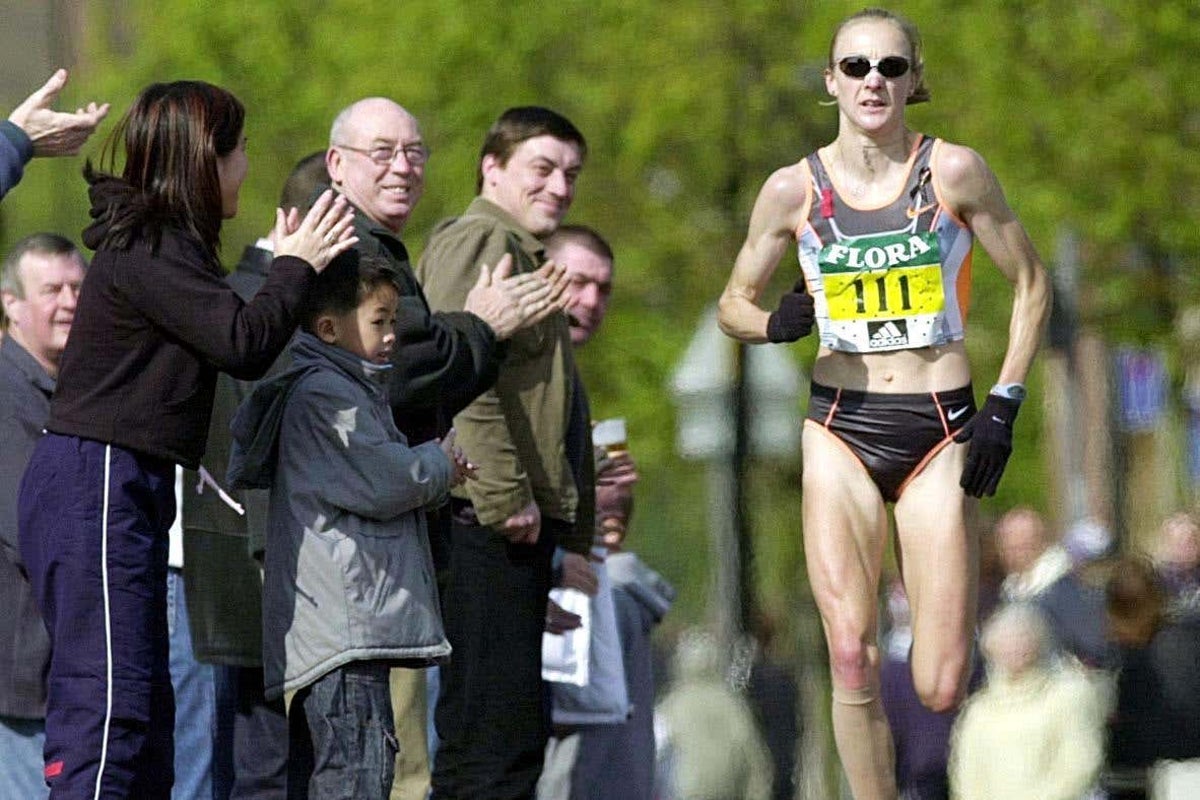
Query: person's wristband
1011,391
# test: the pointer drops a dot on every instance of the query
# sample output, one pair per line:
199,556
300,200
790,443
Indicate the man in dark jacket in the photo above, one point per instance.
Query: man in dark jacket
40,285
442,360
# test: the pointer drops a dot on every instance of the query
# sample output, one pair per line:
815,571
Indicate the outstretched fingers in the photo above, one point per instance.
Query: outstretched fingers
325,232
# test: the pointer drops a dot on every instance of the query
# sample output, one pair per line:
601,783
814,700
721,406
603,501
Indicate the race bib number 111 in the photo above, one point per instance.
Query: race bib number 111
883,277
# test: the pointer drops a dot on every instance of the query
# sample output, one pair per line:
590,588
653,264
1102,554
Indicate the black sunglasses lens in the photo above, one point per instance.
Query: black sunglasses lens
859,66
855,66
893,66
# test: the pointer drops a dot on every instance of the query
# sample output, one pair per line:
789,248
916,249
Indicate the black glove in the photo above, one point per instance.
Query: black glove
990,435
794,317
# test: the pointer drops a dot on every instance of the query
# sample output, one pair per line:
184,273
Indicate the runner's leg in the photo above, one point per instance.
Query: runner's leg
845,532
940,567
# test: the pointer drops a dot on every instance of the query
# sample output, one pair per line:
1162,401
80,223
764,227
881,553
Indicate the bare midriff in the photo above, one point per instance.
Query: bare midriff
928,369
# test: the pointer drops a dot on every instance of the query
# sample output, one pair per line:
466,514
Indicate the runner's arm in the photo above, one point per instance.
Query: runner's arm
970,189
773,223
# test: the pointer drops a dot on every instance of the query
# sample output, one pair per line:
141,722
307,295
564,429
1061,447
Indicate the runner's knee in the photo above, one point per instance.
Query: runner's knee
941,688
851,664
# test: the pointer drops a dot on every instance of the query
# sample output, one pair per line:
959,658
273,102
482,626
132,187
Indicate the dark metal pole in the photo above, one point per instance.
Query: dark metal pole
742,405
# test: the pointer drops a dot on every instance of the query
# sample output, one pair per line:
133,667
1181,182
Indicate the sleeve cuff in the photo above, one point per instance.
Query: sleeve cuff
20,140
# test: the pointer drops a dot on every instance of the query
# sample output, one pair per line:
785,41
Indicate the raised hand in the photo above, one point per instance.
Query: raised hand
794,317
56,133
510,302
325,232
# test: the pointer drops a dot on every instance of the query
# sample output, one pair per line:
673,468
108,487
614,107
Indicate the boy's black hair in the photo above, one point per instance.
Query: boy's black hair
347,281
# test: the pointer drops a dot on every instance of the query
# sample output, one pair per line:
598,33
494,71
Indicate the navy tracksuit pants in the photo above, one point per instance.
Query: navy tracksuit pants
93,528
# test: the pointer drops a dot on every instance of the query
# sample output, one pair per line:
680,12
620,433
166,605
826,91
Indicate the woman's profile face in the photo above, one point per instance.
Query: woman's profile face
873,101
231,170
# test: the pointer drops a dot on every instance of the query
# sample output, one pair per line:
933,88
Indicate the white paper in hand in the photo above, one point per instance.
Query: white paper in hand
565,656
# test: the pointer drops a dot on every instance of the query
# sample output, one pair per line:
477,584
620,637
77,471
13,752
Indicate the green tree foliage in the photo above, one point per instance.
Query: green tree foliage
1084,110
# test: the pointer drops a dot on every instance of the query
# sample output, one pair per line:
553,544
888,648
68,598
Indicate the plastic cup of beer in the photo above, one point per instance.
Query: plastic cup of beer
610,434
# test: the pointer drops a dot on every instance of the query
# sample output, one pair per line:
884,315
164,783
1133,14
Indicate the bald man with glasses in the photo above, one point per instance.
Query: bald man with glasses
443,360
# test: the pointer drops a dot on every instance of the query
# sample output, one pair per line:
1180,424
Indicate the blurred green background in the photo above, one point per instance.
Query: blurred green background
1086,111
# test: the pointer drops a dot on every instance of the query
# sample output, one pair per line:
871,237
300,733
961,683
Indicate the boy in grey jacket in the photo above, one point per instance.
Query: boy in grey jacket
349,587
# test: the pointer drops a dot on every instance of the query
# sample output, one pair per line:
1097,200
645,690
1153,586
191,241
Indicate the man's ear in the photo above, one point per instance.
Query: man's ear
326,329
333,165
489,163
8,299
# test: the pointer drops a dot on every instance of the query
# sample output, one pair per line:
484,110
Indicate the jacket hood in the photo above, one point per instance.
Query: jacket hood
645,585
115,205
121,214
255,426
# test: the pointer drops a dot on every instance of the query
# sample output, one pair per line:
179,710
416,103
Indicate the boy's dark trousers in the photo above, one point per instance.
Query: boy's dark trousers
342,742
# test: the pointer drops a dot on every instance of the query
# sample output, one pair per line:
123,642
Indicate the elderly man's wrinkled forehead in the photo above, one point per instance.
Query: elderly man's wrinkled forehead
374,119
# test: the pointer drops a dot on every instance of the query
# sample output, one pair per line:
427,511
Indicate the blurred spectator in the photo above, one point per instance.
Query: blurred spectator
1036,730
614,760
921,736
713,745
1158,685
40,285
773,698
36,129
1177,559
1039,570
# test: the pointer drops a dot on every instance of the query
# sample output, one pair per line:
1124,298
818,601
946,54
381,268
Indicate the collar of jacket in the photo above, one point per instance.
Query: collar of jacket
309,351
529,243
367,229
21,358
255,260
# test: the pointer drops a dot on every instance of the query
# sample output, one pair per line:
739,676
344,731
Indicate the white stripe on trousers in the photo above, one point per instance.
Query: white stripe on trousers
108,697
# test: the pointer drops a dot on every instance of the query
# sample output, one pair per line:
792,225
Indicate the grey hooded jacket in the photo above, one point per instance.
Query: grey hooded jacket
349,575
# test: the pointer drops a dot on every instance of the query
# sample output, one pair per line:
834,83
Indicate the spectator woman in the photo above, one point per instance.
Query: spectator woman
154,324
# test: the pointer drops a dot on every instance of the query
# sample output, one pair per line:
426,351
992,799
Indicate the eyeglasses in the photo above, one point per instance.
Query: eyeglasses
861,66
415,154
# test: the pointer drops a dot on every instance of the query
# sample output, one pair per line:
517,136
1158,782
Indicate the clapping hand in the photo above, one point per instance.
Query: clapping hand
326,231
509,303
463,469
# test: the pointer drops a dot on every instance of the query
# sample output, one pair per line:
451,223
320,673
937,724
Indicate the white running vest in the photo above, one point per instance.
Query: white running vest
896,277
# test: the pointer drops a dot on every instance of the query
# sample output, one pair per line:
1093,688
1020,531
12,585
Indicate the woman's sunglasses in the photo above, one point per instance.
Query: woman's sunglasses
860,66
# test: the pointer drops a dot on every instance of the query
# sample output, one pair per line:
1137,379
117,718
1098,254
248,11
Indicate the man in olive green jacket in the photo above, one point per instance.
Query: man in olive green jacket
492,715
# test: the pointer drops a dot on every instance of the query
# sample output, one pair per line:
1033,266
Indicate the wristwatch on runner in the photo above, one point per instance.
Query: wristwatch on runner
1013,391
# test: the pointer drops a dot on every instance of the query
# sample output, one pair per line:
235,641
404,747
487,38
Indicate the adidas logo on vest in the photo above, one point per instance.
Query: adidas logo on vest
889,333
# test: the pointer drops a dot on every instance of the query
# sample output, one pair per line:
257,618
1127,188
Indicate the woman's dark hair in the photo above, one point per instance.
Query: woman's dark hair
344,284
171,136
915,56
